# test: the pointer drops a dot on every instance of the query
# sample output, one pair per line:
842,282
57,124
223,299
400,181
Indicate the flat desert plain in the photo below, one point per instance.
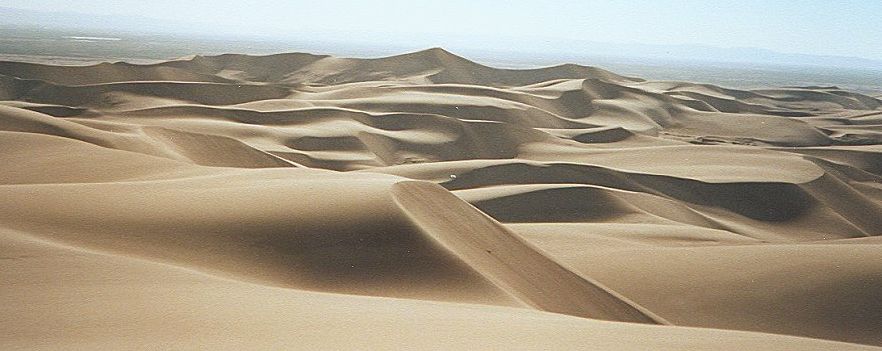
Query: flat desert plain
424,201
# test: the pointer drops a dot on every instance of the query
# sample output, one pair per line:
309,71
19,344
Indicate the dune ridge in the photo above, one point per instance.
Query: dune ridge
213,201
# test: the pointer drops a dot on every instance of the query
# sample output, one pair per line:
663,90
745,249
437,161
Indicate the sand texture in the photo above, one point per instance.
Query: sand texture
424,201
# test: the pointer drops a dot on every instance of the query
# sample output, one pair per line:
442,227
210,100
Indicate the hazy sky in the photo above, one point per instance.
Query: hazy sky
849,28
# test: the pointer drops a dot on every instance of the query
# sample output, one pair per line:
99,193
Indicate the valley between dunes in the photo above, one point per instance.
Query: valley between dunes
424,201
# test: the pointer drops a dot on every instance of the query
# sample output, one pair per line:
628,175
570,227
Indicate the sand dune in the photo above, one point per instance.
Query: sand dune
427,201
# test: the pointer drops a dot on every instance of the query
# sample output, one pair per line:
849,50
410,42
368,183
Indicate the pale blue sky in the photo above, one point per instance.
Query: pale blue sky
848,28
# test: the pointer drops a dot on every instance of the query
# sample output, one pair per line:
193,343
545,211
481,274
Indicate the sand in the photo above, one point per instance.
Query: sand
424,201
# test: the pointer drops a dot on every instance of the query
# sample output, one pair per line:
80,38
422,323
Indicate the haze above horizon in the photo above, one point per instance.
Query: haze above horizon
811,27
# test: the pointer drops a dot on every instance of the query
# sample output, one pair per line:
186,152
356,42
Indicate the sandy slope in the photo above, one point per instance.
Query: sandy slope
426,201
